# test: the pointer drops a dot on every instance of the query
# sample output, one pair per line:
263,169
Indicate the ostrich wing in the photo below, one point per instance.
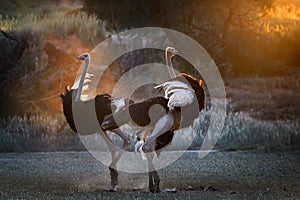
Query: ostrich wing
179,93
87,80
180,98
119,103
173,84
85,88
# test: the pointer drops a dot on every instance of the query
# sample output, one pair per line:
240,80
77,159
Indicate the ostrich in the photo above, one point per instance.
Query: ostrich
104,105
176,110
169,54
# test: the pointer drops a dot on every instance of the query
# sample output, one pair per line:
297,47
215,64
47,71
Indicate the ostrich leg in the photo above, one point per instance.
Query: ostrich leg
115,157
113,172
153,175
163,125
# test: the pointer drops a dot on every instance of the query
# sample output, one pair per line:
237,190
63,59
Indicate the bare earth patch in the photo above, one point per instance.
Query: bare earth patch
77,175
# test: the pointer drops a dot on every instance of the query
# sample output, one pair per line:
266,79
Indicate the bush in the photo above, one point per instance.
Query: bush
54,39
36,133
241,131
61,24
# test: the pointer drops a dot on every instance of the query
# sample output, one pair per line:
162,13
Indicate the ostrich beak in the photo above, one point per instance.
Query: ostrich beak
81,58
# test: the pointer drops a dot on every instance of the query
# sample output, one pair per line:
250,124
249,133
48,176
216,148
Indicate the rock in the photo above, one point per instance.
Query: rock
173,190
189,188
111,190
136,188
209,188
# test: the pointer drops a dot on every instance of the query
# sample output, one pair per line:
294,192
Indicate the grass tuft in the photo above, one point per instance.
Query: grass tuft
243,132
35,133
89,28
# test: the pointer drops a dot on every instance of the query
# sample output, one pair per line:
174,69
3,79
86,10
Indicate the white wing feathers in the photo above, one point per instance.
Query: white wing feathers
86,86
87,80
179,93
169,85
119,103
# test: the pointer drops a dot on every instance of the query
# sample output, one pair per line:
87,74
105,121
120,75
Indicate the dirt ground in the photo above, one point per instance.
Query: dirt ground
77,175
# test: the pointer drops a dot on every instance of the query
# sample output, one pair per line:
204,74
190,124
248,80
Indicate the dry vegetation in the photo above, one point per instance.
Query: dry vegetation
266,98
48,64
60,24
255,45
254,42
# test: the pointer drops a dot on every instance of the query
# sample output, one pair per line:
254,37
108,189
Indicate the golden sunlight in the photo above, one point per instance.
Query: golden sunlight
281,18
286,9
288,2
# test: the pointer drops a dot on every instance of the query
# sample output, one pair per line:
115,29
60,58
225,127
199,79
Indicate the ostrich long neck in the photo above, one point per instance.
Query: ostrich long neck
170,65
86,65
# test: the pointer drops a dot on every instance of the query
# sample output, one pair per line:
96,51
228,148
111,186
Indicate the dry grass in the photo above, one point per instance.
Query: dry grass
45,133
36,133
268,98
263,113
55,37
243,132
272,103
57,23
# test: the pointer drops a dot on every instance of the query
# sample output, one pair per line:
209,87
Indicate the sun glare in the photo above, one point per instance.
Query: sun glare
286,9
281,18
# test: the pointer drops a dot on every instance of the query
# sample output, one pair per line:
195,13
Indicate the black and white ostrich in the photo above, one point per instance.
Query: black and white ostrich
104,105
183,100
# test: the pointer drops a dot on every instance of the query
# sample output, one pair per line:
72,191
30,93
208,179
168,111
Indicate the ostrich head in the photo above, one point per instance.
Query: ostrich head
83,57
171,51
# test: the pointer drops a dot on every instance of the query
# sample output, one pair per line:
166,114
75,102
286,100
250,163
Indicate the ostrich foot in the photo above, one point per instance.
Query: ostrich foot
114,178
157,190
154,183
154,189
151,189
